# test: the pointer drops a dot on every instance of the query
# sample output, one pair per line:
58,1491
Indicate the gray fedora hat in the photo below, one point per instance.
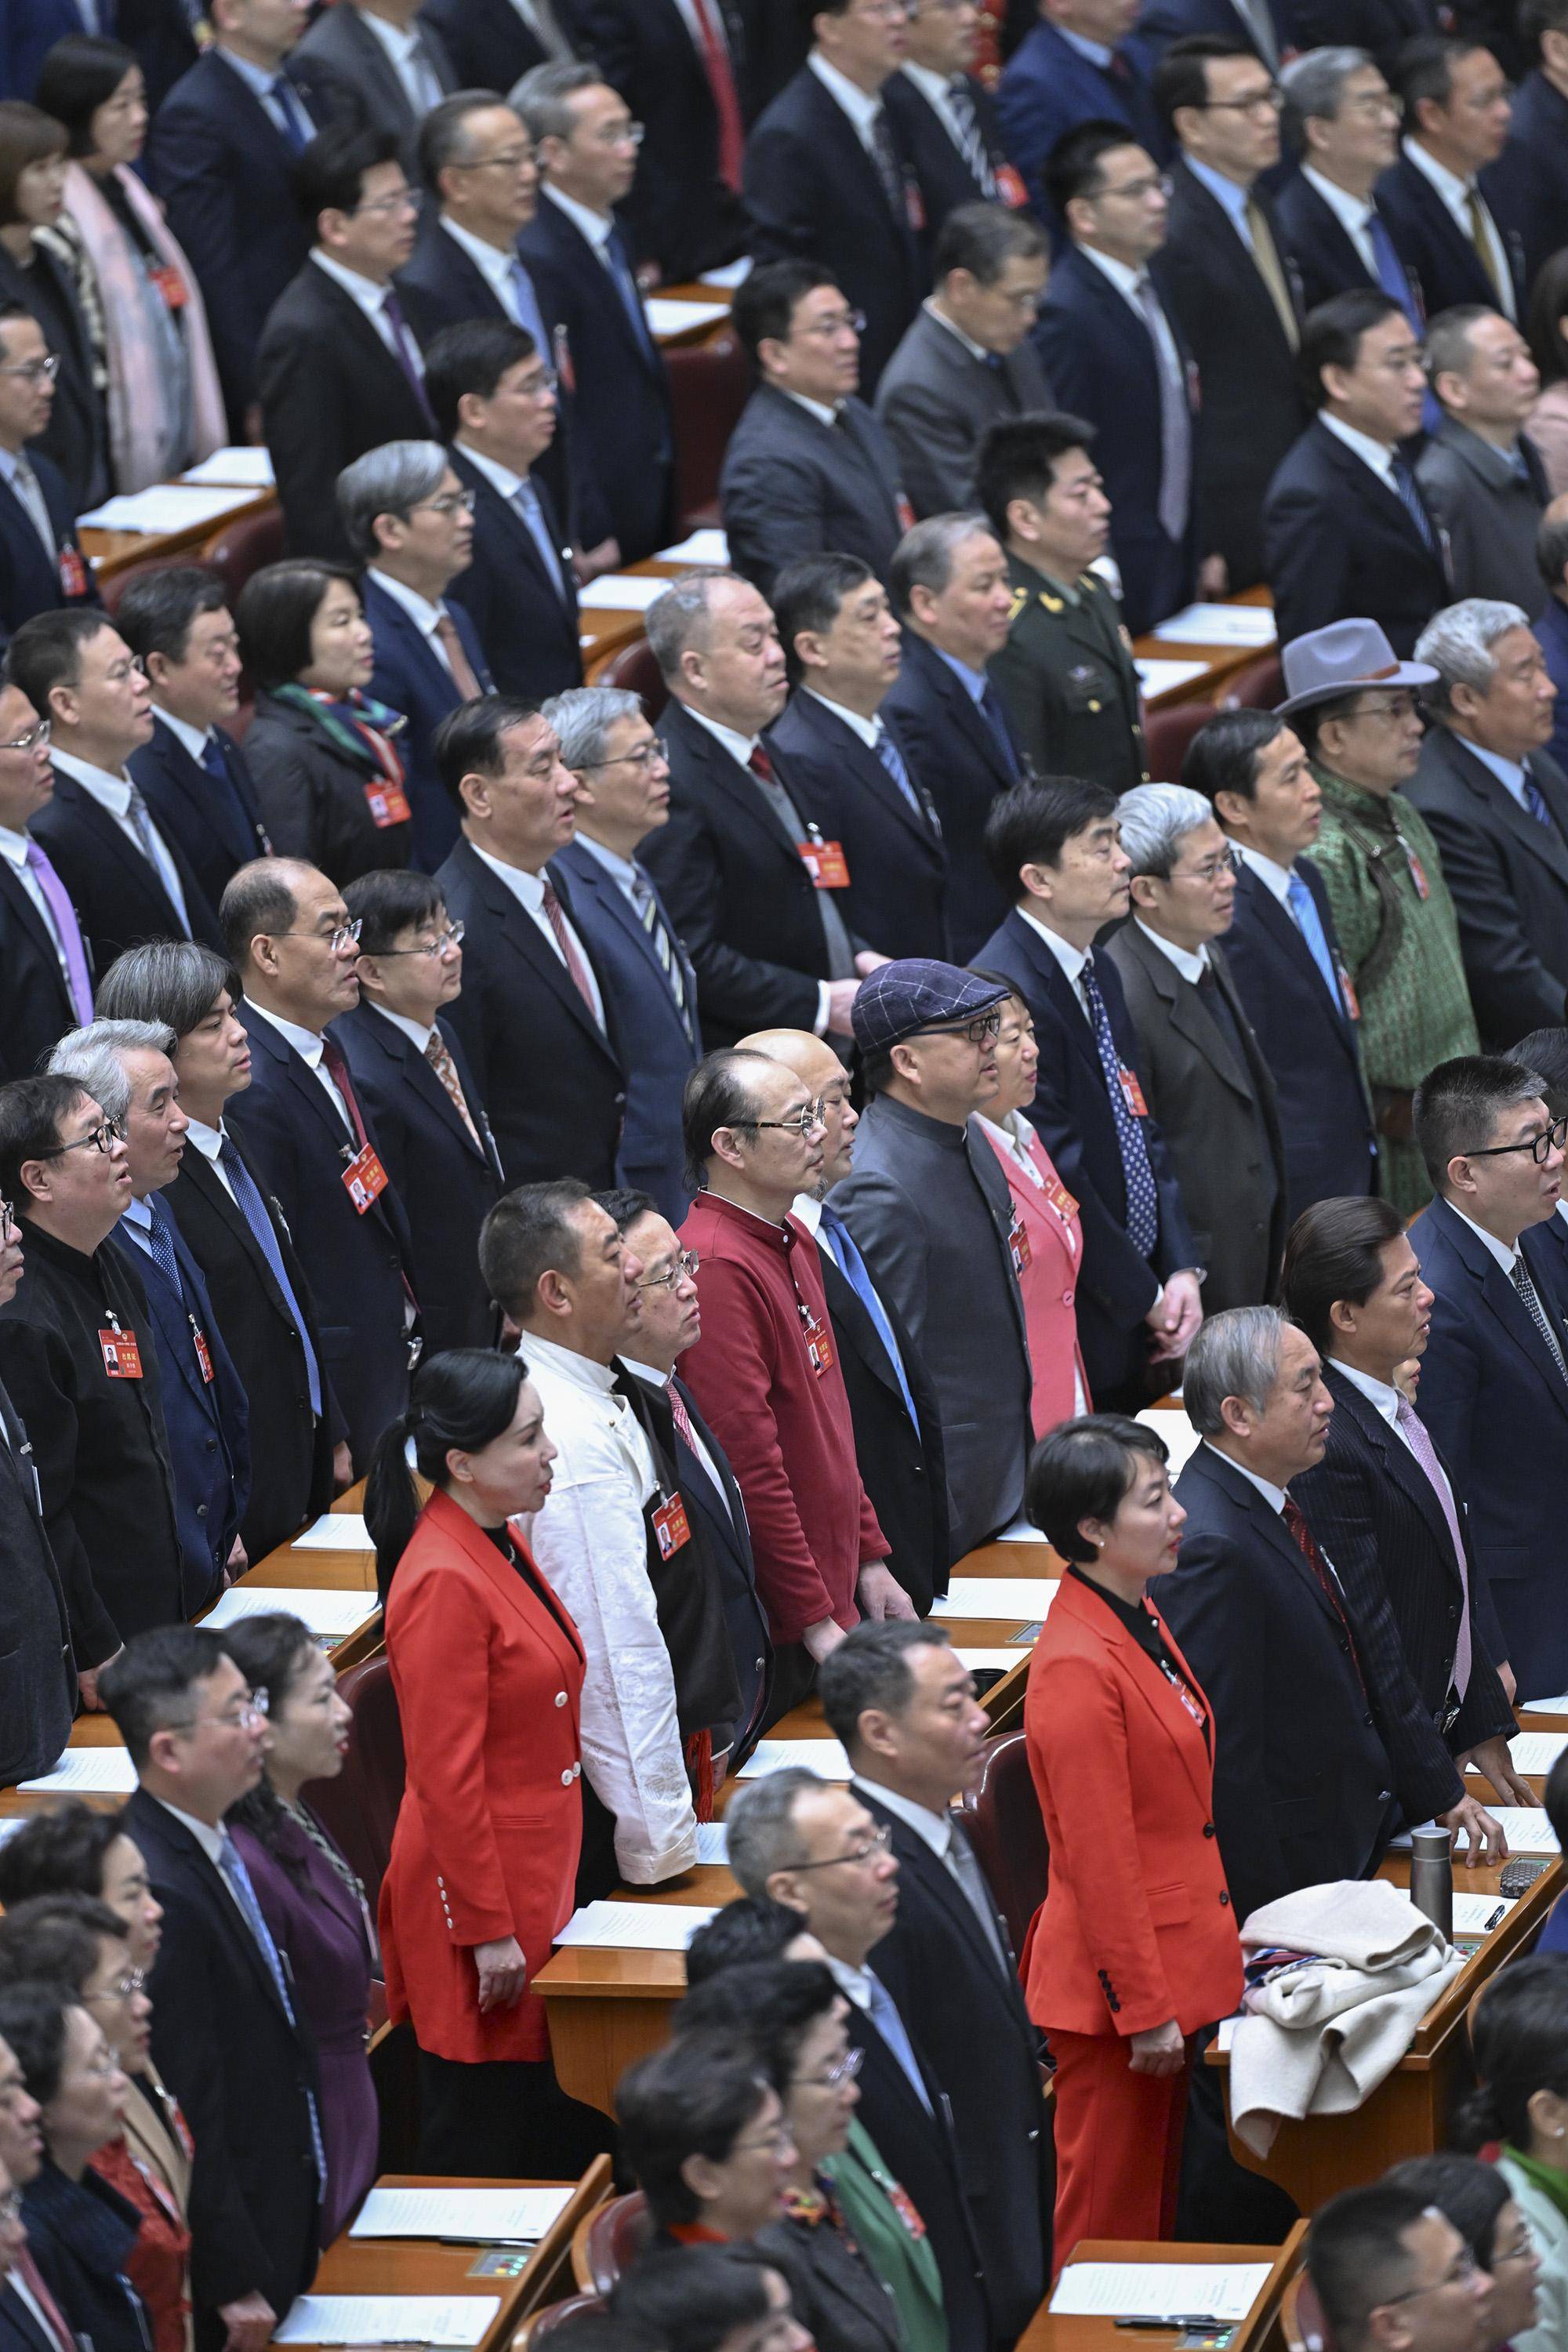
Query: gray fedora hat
1346,656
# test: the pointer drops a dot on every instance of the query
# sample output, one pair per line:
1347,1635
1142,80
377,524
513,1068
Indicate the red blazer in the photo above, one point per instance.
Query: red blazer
488,1831
1138,1926
1054,1234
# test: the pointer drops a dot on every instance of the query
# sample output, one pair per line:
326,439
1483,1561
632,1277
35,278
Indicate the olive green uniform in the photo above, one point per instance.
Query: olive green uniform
1066,674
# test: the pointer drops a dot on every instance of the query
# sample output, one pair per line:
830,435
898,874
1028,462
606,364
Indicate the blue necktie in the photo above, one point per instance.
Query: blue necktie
253,1209
526,506
230,809
244,1893
1536,801
1391,273
626,287
885,2017
1310,923
161,1245
525,303
892,759
853,1267
990,705
1410,499
1142,1200
297,126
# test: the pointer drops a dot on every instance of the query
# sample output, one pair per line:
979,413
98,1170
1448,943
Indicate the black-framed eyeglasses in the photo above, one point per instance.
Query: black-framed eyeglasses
96,1138
452,937
1539,1147
801,1124
1272,99
879,1841
978,1032
686,1263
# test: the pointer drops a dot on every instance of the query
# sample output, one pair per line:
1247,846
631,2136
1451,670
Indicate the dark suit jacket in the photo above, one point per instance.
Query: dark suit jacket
36,1010
660,1052
80,2233
410,676
1552,636
1252,409
1374,1511
243,2072
1047,88
31,29
1308,1042
329,390
345,56
1103,364
955,755
945,177
793,486
1381,25
1302,1784
19,2331
75,438
1326,262
723,1516
527,626
679,211
445,1182
1164,21
1508,875
488,43
1538,133
217,834
814,193
1218,1114
119,899
832,2290
311,794
935,401
37,1671
558,1081
29,582
160,33
1490,516
1339,544
1117,1285
898,868
266,1342
1447,267
359,1267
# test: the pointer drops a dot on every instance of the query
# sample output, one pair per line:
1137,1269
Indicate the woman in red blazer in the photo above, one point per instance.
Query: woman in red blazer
488,1668
1135,1947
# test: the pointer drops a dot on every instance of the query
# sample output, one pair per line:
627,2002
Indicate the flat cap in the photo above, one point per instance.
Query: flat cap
898,998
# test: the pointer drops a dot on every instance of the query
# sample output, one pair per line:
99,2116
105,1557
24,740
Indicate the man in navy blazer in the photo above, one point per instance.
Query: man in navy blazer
1138,1288
1448,189
492,43
946,117
42,568
616,758
355,65
1494,1378
1081,62
1538,133
1267,26
1284,954
45,983
1347,133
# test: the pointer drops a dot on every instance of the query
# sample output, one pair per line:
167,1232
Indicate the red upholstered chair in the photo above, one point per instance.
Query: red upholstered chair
541,2328
1005,1828
608,2241
635,669
710,383
1258,686
360,1806
1302,2320
114,587
246,547
1167,735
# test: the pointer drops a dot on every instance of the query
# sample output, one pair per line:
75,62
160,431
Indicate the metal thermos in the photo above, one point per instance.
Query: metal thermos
1432,1878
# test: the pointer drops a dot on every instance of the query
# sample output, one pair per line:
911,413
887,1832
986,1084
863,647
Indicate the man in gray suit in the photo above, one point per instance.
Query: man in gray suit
385,67
1204,1073
966,358
928,1209
1481,473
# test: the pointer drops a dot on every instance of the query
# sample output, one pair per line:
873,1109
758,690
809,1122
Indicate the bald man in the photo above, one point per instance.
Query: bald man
897,1429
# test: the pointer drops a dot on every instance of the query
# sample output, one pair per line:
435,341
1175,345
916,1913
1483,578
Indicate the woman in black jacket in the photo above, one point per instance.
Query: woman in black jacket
32,192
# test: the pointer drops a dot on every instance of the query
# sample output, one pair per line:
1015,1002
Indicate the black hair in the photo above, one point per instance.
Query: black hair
1032,823
751,1928
79,75
1017,460
274,610
471,356
1423,68
150,1684
530,1232
1084,1469
693,2296
1519,2040
47,651
1539,17
1181,78
270,1650
329,174
875,1673
694,2098
155,612
462,1399
1546,1052
61,1852
1334,1251
442,137
809,593
1457,1105
623,1206
1331,336
393,898
718,1093
1356,2258
469,740
33,2028
27,136
1073,166
1223,755
766,2004
1548,308
31,1110
764,308
982,239
56,1939
1466,2192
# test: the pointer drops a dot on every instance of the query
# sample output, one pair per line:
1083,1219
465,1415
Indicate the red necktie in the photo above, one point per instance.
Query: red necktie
760,764
564,940
337,1069
1302,1535
32,2278
726,102
682,1418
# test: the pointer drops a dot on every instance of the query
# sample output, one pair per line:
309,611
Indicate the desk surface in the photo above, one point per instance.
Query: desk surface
110,552
1259,2332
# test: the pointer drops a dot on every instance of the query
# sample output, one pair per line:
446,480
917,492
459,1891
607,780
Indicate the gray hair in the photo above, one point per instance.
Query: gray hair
759,1821
1457,644
542,94
388,480
1235,1354
680,618
176,980
92,1056
444,134
1314,83
1448,349
583,717
1155,819
924,556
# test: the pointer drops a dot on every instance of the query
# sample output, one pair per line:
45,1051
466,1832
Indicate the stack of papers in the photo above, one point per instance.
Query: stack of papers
1558,1706
712,1844
332,1616
703,547
621,591
1020,1596
1161,2292
84,1772
667,318
1219,625
1158,678
1476,1915
167,507
975,1659
481,2217
388,2319
335,1532
734,273
826,1758
1526,1828
1535,1752
1182,1440
637,1926
250,467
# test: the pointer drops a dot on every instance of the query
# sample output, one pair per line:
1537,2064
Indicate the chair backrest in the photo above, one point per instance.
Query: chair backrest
635,669
1008,1834
1258,686
1302,2320
541,2327
710,383
1167,735
360,1806
246,547
114,587
608,2241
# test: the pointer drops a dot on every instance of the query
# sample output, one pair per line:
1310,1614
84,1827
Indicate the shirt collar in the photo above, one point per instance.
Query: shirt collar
211,1841
194,739
1224,191
936,1829
855,1984
495,262
1095,51
307,1042
528,887
1123,275
1385,1401
809,1211
418,1032
399,44
974,681
259,81
209,1140
9,461
1191,967
641,1372
817,408
869,731
739,747
13,847
114,791
578,1371
937,87
1375,455
500,478
1273,1496
620,869
1273,876
1510,773
862,111
1071,960
976,350
426,616
1354,212
1454,191
139,1215
1501,1251
358,288
597,228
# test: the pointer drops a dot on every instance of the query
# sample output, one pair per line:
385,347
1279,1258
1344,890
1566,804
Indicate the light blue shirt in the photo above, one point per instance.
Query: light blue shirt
1510,773
973,681
1095,51
621,870
1225,192
137,1219
258,81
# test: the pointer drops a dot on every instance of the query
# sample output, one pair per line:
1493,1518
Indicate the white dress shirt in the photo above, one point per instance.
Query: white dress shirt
368,296
934,1829
740,747
1354,213
1375,455
1273,875
209,1141
863,111
936,88
1506,1257
416,76
528,889
1191,967
211,1842
818,408
657,1379
259,81
1231,199
624,874
32,503
1455,194
194,739
933,310
426,616
113,794
1510,773
1127,282
14,850
494,264
596,227
307,1044
1071,960
418,1032
1273,1496
1385,1403
869,731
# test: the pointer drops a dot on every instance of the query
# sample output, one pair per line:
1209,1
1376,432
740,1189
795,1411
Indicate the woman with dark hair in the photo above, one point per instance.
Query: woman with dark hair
709,2299
703,2134
310,1898
32,196
137,291
1479,2201
1519,2041
1135,1947
1547,424
321,751
72,1850
488,1668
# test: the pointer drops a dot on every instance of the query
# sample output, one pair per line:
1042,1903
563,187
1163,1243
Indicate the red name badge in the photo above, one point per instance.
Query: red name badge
204,1353
74,574
364,1178
1018,1242
669,1525
1348,990
914,204
906,511
121,1355
170,285
1417,873
826,863
1063,1202
818,1346
1010,187
1134,1094
388,803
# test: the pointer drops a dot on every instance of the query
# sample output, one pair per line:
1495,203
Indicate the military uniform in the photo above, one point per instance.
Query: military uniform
1066,674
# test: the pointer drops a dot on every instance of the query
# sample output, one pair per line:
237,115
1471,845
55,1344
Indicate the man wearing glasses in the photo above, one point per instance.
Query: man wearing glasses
38,1686
45,983
1391,2270
41,566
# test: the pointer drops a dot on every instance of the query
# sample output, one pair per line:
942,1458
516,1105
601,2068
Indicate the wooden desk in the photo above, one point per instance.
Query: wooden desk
110,552
1259,2332
708,329
1221,663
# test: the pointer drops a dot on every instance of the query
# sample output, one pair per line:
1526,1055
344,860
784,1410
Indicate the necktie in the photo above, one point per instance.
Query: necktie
1538,1315
990,705
1259,25
337,1069
885,2017
836,938
458,661
525,306
1310,923
161,1248
540,19
68,931
253,1209
892,759
688,1435
726,99
965,1868
1265,255
1480,238
556,919
663,946
885,155
296,124
843,1250
1414,1431
438,1055
526,506
158,858
1175,425
1411,500
26,2271
684,1429
1302,1537
230,810
616,262
24,483
1535,800
405,352
1391,274
972,145
1143,1200
239,1880
427,81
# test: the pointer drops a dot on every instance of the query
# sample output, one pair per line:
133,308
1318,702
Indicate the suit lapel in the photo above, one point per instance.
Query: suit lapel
418,1073
198,1171
740,787
1286,932
32,922
855,1325
1543,841
1060,990
1187,1015
1395,1457
138,870
1499,1294
1152,1685
518,928
514,1590
1269,1525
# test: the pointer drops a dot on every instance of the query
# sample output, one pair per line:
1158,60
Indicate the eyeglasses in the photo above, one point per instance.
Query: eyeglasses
843,2071
1271,99
684,1266
452,937
96,1138
1137,190
34,739
514,160
119,673
620,134
346,935
978,1032
824,327
1208,873
405,201
123,1988
237,1717
1459,2273
1523,2252
543,386
1539,1147
42,371
766,2143
879,1841
101,2068
1388,709
643,757
454,502
1375,102
801,1124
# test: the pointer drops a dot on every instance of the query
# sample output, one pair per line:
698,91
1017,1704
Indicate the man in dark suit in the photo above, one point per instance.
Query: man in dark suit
1080,61
1204,1074
1385,1509
680,71
40,1675
192,774
614,752
305,1136
233,2046
946,117
1284,954
1494,1385
221,152
382,68
951,591
966,359
412,1075
45,986
75,433
492,43
1551,623
903,1706
1116,358
1222,275
1267,26
1449,212
42,568
588,143
127,878
1303,1785
1498,806
534,1017
746,870
1482,475
828,179
161,33
239,1237
842,644
1349,533
809,467
1538,132
1138,1293
1346,122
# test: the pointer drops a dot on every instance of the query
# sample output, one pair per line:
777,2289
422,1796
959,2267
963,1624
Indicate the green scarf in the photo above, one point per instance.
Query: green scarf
1552,2184
871,2199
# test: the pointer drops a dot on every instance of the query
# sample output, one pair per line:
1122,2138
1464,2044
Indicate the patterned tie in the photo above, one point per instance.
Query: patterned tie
885,155
239,1880
297,126
162,865
1142,1200
1526,1288
1485,255
161,1248
726,99
1536,801
682,1419
1265,255
68,931
556,919
663,946
29,493
253,1209
1301,1535
1175,424
971,144
405,352
1414,1431
892,759
458,661
1411,500
530,514
438,1055
1310,923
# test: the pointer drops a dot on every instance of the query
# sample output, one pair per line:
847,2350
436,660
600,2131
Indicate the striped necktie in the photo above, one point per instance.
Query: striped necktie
663,946
970,143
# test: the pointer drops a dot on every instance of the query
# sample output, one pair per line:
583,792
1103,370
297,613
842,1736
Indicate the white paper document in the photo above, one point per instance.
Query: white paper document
1023,1597
1477,1915
1158,678
826,1758
1182,1440
637,1926
1219,625
1021,1531
1527,1829
733,274
335,1532
168,506
489,2217
1535,1752
387,2319
708,546
86,1771
1164,2291
252,468
975,1659
1558,1706
620,591
712,1844
334,1615
667,318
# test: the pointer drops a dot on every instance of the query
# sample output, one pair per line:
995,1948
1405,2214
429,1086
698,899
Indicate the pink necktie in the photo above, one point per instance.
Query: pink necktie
56,898
32,2278
556,919
1414,1431
682,1418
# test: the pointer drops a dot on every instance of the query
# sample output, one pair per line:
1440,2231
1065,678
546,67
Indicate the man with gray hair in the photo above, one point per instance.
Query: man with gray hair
613,751
1303,1786
125,1066
1497,803
1345,123
1481,474
1204,1075
410,521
